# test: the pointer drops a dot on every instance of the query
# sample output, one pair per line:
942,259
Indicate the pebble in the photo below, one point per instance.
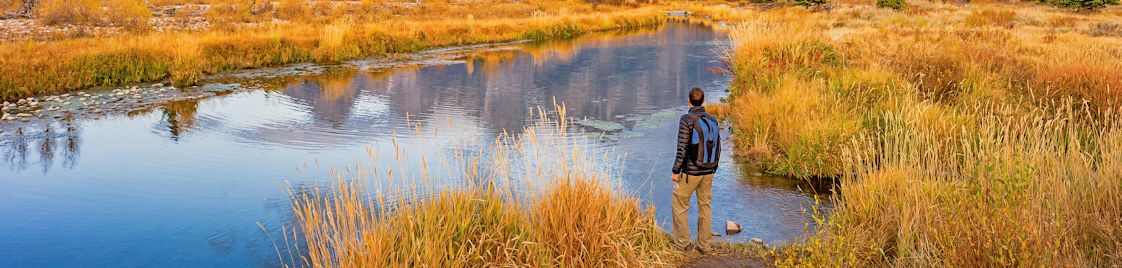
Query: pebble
23,115
6,117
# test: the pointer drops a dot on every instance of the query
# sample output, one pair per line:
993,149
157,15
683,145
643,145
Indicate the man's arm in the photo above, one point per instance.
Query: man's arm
683,143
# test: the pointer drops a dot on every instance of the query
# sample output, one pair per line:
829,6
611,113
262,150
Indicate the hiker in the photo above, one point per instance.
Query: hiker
699,149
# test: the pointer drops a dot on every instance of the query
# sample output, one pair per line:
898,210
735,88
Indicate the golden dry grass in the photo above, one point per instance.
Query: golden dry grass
522,204
976,135
47,67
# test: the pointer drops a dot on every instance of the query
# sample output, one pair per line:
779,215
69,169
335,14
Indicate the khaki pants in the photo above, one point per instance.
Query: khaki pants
685,187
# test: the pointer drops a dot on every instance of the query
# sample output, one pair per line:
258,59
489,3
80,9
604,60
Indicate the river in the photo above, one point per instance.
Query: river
187,182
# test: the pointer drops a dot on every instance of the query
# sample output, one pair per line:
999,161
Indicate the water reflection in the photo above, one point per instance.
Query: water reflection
46,142
179,116
184,182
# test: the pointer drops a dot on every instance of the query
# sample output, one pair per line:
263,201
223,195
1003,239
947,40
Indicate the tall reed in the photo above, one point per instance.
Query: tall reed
539,198
956,140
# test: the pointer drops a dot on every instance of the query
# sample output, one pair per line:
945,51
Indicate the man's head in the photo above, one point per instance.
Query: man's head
697,97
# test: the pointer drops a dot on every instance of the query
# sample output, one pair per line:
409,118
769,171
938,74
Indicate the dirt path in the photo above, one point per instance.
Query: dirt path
713,261
724,258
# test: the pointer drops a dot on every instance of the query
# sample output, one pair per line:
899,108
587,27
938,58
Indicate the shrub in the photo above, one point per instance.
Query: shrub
1081,4
56,12
893,4
10,5
132,14
811,3
293,9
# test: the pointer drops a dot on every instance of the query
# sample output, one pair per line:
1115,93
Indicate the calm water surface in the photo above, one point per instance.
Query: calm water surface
185,184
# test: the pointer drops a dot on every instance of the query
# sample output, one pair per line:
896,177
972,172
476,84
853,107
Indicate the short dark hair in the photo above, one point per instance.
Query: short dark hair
697,97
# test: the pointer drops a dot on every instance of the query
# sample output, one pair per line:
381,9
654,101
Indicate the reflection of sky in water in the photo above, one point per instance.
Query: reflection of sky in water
185,183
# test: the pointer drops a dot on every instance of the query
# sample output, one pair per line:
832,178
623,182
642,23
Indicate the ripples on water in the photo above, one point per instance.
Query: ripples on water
186,182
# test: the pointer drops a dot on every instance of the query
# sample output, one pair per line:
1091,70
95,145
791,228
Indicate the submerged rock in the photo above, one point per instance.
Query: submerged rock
601,124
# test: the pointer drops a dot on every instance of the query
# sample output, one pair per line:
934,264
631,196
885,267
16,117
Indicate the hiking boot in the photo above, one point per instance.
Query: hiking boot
701,250
688,248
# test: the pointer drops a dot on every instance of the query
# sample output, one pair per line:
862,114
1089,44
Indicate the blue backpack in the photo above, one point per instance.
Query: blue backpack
707,136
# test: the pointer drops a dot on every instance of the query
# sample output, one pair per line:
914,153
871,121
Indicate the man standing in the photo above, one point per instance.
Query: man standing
699,150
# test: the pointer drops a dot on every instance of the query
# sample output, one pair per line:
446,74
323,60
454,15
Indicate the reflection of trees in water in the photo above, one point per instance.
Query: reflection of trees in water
16,151
180,116
46,144
73,142
47,151
599,77
330,96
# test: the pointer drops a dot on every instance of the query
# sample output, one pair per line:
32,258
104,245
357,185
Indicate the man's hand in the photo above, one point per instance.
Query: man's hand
675,177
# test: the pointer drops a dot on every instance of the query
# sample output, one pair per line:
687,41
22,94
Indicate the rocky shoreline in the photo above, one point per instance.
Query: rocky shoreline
100,102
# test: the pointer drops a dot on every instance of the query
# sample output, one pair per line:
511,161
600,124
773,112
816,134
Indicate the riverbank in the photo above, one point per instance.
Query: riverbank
497,209
182,58
962,135
249,139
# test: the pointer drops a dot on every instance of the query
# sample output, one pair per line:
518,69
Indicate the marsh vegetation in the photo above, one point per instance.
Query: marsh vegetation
980,134
962,135
539,198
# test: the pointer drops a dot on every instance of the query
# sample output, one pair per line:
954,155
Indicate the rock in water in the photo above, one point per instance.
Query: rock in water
732,227
757,240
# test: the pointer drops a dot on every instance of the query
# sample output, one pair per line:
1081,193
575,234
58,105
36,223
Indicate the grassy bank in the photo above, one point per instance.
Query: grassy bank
523,205
976,135
50,67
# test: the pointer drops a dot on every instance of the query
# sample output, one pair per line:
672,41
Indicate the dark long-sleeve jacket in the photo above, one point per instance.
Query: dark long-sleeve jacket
684,159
